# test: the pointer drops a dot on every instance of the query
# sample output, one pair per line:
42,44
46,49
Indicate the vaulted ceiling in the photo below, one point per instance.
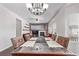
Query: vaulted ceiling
21,10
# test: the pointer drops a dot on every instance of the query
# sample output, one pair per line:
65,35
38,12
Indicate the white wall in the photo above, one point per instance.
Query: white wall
60,23
38,27
50,26
7,27
67,16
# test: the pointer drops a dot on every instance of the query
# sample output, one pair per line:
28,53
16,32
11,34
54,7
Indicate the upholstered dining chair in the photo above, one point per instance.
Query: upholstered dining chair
26,36
17,42
63,41
54,37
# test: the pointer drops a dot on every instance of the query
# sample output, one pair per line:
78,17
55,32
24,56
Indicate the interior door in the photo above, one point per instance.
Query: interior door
18,27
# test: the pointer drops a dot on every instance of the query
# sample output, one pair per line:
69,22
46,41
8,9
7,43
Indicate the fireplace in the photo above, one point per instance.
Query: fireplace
41,33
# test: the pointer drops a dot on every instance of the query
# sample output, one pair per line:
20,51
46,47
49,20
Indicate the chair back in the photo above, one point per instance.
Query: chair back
63,41
17,42
26,37
54,37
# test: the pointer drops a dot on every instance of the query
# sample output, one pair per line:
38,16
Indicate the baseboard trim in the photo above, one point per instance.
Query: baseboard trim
5,48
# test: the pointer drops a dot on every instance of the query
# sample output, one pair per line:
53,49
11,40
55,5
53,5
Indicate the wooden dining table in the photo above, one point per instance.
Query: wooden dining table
41,46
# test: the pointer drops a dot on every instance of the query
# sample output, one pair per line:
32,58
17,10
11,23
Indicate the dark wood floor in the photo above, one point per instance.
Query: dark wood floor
6,52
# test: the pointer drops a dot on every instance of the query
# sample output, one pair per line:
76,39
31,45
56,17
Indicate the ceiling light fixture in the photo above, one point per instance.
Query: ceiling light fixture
37,8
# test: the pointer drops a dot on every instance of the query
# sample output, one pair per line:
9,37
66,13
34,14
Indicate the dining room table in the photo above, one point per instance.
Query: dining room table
41,46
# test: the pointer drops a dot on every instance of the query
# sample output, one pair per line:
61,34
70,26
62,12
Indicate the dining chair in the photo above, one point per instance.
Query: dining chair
63,41
26,36
54,37
17,42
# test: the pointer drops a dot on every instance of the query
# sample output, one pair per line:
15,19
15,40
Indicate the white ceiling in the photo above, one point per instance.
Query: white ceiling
21,10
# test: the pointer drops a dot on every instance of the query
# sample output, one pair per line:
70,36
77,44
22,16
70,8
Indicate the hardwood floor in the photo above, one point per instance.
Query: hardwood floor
6,52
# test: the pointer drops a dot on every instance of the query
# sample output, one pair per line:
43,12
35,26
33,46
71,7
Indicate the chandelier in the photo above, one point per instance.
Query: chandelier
37,8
